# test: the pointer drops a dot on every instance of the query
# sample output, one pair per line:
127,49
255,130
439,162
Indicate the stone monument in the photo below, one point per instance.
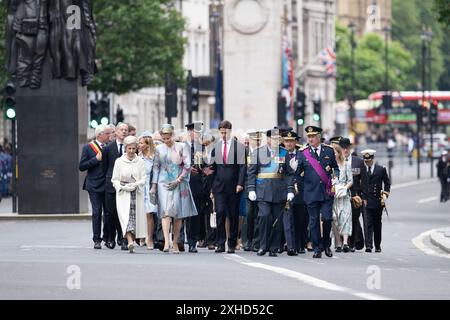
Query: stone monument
252,62
50,56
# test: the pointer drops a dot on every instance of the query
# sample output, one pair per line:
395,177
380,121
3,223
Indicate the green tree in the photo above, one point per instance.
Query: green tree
442,9
370,65
408,20
139,43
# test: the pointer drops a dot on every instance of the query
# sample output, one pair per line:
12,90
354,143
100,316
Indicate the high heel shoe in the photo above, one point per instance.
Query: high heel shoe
131,248
166,250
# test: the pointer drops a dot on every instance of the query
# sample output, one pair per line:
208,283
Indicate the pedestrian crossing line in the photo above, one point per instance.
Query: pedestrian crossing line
419,243
306,279
430,199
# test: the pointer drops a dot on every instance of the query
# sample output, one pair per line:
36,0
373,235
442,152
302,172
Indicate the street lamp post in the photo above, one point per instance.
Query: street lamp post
352,28
429,36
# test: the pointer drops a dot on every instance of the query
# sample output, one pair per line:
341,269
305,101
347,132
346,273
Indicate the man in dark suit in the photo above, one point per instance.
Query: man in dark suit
94,182
318,162
270,185
111,152
296,219
356,240
375,195
228,158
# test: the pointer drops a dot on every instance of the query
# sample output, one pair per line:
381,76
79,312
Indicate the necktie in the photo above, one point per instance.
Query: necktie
121,149
101,145
192,153
291,155
315,152
225,152
370,171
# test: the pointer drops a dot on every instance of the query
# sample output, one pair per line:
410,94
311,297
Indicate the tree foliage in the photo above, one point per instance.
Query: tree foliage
139,43
442,9
370,65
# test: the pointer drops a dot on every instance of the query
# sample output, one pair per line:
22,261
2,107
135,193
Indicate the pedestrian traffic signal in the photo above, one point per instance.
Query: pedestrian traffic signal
119,115
434,113
300,106
10,101
317,106
99,112
171,100
192,92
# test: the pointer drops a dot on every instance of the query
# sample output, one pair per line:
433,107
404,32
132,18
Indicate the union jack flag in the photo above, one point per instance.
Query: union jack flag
328,58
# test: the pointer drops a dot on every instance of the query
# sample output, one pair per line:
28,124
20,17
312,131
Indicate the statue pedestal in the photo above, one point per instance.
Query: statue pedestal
51,131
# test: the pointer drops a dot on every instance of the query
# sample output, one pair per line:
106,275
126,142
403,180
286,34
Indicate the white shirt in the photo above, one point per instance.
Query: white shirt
99,144
318,150
228,147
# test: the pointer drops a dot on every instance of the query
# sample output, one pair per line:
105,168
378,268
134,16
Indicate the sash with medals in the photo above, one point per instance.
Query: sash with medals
320,172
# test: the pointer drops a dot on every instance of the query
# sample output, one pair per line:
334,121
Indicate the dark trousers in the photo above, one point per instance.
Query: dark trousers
98,203
227,205
250,227
194,224
112,219
270,224
356,240
372,227
315,209
444,189
301,221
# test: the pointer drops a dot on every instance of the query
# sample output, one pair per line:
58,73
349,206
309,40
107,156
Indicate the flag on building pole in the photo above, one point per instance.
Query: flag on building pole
288,79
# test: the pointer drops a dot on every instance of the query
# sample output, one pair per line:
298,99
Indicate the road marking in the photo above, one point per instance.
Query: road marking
427,200
306,279
412,183
419,243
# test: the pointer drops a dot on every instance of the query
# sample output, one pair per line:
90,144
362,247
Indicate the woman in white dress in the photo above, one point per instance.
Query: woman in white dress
342,208
170,180
128,179
147,153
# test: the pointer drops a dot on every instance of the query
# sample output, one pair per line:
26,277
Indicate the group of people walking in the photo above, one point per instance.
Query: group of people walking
266,192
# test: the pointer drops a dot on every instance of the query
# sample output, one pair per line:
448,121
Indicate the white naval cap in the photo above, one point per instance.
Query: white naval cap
368,154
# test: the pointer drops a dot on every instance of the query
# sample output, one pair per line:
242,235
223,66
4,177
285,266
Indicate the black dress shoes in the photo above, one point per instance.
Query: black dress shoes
181,246
193,249
211,247
317,255
124,246
338,249
97,245
247,249
261,252
352,249
346,248
273,253
291,252
378,249
301,251
111,244
368,250
220,250
231,250
255,249
328,252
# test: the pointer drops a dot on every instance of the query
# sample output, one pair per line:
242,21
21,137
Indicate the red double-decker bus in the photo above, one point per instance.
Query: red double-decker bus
404,106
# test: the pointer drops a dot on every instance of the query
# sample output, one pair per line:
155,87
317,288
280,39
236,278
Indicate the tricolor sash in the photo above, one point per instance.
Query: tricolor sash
320,172
94,146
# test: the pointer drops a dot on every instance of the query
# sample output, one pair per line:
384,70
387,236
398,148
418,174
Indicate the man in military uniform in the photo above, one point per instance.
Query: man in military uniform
318,162
296,217
270,185
375,195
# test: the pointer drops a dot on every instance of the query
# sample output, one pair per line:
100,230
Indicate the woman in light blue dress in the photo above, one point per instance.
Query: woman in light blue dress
147,152
170,180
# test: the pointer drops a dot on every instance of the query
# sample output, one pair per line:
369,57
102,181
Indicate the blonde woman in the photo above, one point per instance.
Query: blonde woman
342,208
147,153
128,179
171,168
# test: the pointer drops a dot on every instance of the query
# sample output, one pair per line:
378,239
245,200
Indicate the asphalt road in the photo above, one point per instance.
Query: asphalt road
55,260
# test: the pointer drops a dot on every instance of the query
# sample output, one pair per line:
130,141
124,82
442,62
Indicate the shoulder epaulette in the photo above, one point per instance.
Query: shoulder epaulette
302,148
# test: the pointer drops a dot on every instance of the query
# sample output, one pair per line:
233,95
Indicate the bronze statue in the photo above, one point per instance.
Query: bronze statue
33,26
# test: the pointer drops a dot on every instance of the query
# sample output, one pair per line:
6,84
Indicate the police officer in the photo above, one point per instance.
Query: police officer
318,162
296,217
270,185
375,195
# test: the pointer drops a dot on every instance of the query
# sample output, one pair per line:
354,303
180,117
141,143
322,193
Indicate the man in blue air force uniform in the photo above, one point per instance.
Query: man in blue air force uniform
318,162
270,185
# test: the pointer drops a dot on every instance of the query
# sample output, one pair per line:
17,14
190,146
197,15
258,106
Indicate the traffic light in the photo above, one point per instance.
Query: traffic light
171,100
317,106
10,101
99,112
434,113
192,92
300,105
387,101
119,115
